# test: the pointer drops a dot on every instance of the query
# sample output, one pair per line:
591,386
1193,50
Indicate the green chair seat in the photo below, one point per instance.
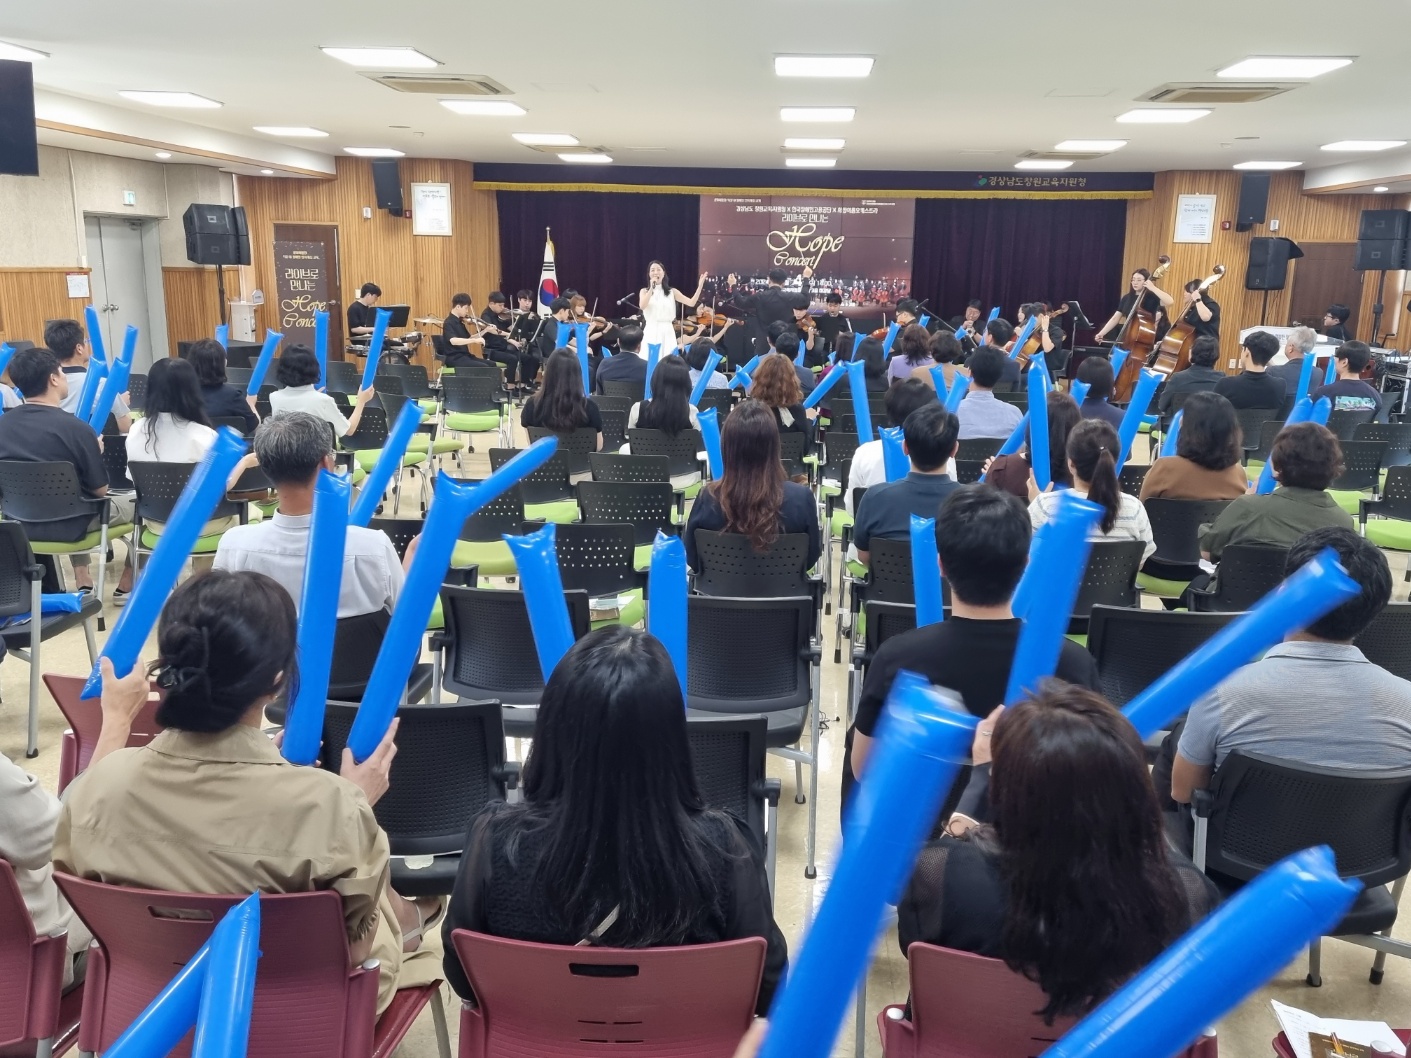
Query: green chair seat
1145,427
841,520
205,545
561,511
492,556
631,612
693,490
1349,499
473,421
437,620
829,488
1165,589
857,569
1082,641
1385,532
422,442
88,543
367,458
428,405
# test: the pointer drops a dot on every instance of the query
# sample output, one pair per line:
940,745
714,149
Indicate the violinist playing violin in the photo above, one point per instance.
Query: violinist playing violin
1153,300
1201,311
832,324
807,331
906,313
462,346
500,344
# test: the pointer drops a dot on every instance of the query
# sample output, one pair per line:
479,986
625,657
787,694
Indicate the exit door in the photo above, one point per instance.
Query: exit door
126,287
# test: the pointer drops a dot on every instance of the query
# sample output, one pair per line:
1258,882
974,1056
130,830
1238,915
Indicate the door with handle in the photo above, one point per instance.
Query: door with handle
117,261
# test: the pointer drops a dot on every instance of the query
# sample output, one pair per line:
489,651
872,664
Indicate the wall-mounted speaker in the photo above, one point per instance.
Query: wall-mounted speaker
1254,203
387,182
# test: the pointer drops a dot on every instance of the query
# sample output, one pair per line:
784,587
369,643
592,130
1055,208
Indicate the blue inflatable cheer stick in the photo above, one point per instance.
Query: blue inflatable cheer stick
1305,374
92,383
957,393
1055,571
318,616
926,572
1331,374
321,347
564,329
1306,595
1079,391
923,738
1211,969
1024,334
666,609
536,558
1015,440
374,347
453,502
924,321
6,352
1302,412
653,354
703,383
1119,357
710,435
862,410
938,379
223,1022
193,508
1136,410
825,385
96,350
116,382
266,357
752,364
581,334
389,462
170,1016
895,464
1038,425
1168,446
742,381
994,315
1322,408
223,334
798,359
890,339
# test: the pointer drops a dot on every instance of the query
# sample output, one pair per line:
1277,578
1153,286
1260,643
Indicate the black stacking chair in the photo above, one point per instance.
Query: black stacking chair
1131,478
546,491
793,448
614,428
356,644
1362,467
884,620
1257,440
577,445
728,756
600,560
978,449
416,384
1344,424
633,391
730,566
401,531
1393,510
483,534
1397,436
115,458
1110,578
1387,640
838,450
647,506
606,403
470,398
722,400
888,580
239,377
609,466
1175,525
1246,573
682,451
159,487
137,391
344,376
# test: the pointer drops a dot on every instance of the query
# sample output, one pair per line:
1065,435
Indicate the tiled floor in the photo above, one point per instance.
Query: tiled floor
1245,1033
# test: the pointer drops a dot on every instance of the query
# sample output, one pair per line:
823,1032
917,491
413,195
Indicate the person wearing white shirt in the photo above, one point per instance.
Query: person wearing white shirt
1092,462
298,374
868,466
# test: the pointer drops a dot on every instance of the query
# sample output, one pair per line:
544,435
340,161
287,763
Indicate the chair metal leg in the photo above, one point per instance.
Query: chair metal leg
92,642
798,782
1315,963
860,1016
771,846
438,1017
811,871
35,635
1379,963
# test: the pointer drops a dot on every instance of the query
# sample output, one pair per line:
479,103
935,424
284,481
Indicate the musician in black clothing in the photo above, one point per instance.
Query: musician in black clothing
773,304
362,314
832,324
1335,323
1048,332
500,345
968,325
1153,300
526,323
462,347
534,355
906,315
1201,311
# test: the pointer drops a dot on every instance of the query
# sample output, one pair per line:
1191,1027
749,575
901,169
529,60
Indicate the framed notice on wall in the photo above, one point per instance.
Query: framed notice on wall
431,209
1195,218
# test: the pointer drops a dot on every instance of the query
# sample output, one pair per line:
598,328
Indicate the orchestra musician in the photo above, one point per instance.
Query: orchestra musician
462,346
658,302
771,305
807,332
907,313
500,344
1048,332
832,324
526,320
1200,311
1153,300
361,312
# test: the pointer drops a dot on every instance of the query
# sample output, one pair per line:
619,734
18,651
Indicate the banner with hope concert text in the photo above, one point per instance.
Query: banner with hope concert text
858,247
301,288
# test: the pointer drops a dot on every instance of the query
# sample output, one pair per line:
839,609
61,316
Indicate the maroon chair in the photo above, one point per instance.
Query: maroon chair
309,1001
85,718
36,1019
969,1006
560,1002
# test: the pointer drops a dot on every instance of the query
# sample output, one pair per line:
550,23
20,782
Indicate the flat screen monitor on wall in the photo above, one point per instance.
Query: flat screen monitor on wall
19,147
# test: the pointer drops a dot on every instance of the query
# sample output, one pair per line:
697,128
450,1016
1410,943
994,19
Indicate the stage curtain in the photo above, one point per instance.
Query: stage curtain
603,241
1006,252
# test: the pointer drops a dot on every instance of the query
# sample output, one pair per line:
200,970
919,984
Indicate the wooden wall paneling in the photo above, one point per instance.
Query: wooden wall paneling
192,300
29,296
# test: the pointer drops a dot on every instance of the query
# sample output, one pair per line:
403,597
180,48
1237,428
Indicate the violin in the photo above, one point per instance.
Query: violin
881,332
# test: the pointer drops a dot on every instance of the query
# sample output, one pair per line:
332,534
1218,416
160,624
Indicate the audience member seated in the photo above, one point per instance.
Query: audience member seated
1306,459
1015,473
1254,387
929,438
210,806
775,385
868,466
982,541
1207,464
697,357
613,844
911,356
947,352
752,497
66,340
560,405
297,372
222,400
874,366
1092,463
1201,376
1300,343
787,346
1072,884
981,413
40,431
628,365
292,449
1349,392
1096,371
670,410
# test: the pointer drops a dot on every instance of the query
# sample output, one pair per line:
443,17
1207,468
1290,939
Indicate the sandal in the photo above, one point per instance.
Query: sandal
423,922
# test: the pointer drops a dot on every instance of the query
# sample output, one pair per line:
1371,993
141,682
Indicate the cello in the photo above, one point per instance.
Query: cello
1138,337
1174,352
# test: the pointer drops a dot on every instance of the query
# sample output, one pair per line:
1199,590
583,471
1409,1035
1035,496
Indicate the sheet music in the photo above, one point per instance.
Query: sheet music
1297,1024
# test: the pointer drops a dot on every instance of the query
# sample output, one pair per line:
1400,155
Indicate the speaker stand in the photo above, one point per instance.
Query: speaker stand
220,292
1378,308
1264,311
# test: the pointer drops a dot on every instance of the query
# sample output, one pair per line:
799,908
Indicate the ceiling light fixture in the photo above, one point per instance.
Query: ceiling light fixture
817,113
1381,189
290,131
164,154
1043,163
484,108
382,58
1267,165
1090,146
545,139
822,65
1284,67
810,163
1363,145
597,159
21,54
813,143
171,99
266,172
375,152
1171,116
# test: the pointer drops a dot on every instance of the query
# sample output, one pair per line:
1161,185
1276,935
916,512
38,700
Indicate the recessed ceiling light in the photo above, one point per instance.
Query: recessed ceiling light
822,65
14,51
382,58
598,159
1283,67
545,139
170,99
266,172
1090,146
164,154
487,108
289,130
1171,116
1043,163
376,152
812,143
1363,145
810,163
816,113
1267,165
1381,189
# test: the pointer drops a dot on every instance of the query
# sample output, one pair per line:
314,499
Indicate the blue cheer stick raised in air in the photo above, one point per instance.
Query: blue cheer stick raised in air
890,339
924,321
653,354
1302,412
1169,442
228,1000
825,385
1119,357
116,382
1136,410
862,410
97,351
318,616
666,609
170,1015
1303,597
923,738
1305,374
1079,391
536,558
1038,428
389,462
223,334
938,379
1015,440
741,380
374,347
1023,337
994,315
703,383
321,347
266,357
581,335
926,572
561,336
92,383
1331,374
1206,973
710,436
752,364
203,491
895,464
957,393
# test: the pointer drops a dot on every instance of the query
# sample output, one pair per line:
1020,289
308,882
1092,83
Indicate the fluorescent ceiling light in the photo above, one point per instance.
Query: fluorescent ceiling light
1090,146
1267,165
1043,163
487,108
1283,67
14,51
816,113
382,58
164,154
1363,145
545,139
599,159
822,65
170,99
1171,116
810,163
375,152
289,131
810,143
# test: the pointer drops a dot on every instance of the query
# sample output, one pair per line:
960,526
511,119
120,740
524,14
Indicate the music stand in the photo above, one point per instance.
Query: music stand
401,315
1079,321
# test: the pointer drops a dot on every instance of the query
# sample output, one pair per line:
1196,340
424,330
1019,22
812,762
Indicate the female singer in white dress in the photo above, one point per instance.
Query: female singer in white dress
657,301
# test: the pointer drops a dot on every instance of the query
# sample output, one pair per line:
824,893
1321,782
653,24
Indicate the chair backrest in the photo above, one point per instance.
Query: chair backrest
115,461
1344,424
884,620
838,450
606,403
978,448
85,720
645,505
1395,500
371,433
1131,478
728,755
1252,422
793,444
415,383
614,426
239,376
1397,435
491,651
557,1002
576,445
160,485
386,382
1019,398
968,471
504,514
233,421
400,531
1387,640
730,566
344,376
681,451
889,571
471,391
46,499
1247,573
748,655
18,571
307,1000
1175,524
356,642
1134,647
633,391
1110,576
608,466
546,483
1362,465
722,400
29,1002
596,558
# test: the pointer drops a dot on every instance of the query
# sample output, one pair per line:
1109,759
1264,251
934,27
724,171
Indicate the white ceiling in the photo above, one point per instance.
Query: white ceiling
665,82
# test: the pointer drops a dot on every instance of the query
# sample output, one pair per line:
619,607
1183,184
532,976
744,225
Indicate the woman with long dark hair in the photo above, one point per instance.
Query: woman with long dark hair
613,844
1016,473
1092,465
658,302
560,404
911,355
174,427
670,410
222,400
1208,464
1072,884
752,497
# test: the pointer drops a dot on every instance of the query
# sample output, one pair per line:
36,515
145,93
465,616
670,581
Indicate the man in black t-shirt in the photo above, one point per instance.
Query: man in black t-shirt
1201,311
462,347
832,324
362,313
1335,323
1254,387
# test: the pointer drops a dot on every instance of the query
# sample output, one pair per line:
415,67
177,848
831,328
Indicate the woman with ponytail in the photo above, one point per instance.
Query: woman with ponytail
1092,462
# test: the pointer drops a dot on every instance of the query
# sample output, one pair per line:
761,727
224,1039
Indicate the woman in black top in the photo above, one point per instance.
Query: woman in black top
613,842
1072,883
752,497
777,387
670,410
560,405
222,400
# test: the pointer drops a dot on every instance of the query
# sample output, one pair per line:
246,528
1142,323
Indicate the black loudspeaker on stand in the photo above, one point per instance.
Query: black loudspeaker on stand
1382,247
217,235
1269,266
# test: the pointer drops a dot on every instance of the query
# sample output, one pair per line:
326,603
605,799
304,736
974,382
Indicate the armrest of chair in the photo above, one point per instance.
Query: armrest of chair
507,773
1202,803
95,986
1363,505
437,640
462,576
769,790
47,959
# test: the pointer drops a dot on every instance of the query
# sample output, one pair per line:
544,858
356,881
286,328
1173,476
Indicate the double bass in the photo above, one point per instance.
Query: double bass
1138,337
1174,352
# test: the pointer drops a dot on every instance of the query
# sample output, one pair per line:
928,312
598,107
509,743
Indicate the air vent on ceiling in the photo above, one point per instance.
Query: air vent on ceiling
1066,156
1205,94
440,84
580,149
